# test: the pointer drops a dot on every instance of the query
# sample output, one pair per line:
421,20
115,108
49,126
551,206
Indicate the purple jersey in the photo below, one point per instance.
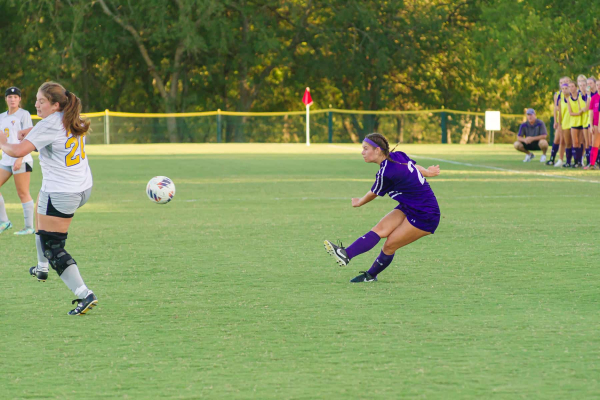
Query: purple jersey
405,184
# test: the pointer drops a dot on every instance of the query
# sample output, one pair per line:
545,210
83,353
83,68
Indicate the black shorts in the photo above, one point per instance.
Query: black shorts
532,146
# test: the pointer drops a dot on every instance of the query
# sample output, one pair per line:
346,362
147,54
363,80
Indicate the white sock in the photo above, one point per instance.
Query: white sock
28,213
42,260
72,278
3,216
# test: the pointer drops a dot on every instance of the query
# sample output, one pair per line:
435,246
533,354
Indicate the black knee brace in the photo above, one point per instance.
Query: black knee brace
53,244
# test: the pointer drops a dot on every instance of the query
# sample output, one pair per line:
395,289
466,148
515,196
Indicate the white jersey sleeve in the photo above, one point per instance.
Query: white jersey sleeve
45,131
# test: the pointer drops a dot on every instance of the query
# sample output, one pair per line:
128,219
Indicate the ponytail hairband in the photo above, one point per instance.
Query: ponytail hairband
372,143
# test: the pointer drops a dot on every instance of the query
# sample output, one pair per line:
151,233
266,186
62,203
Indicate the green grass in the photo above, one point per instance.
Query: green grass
227,291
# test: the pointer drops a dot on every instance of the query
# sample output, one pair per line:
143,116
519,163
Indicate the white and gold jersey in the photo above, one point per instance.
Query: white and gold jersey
63,160
9,126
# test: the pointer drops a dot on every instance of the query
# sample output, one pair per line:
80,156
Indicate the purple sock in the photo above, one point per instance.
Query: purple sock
574,152
381,263
587,154
554,151
569,154
579,154
362,244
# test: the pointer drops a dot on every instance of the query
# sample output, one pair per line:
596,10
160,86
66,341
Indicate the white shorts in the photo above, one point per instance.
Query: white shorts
25,167
59,204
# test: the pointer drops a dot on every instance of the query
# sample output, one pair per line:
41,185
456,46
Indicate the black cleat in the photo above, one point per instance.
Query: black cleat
550,162
567,165
84,305
364,277
576,165
338,252
40,274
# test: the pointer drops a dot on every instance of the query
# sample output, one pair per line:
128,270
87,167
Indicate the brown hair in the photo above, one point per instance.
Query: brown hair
383,144
69,104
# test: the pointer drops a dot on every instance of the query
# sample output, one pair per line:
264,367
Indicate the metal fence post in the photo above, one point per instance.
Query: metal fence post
330,125
106,127
219,127
444,124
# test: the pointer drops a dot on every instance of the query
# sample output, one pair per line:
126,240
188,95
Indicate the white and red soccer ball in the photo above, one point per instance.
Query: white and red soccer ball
160,190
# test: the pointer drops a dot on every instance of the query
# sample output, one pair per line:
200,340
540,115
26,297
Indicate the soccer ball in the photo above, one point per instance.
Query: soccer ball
160,190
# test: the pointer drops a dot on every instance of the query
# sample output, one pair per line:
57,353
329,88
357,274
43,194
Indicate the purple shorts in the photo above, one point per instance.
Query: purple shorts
425,221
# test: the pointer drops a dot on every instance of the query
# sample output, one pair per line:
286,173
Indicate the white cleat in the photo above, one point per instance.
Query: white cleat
529,157
543,158
559,163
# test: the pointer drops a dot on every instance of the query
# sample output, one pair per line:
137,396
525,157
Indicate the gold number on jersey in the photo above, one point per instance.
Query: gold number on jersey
75,142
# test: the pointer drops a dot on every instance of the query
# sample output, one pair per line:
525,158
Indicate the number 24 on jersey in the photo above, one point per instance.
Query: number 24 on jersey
75,143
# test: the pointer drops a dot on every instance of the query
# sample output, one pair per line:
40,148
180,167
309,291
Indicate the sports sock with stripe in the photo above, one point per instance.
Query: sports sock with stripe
381,263
362,244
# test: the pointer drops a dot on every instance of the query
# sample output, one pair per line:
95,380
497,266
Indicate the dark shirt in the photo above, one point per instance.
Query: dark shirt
403,182
537,129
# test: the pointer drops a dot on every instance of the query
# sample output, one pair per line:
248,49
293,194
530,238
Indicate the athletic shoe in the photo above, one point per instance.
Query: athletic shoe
40,273
5,226
543,158
364,277
338,252
25,231
529,157
590,167
566,165
577,165
550,162
559,163
84,305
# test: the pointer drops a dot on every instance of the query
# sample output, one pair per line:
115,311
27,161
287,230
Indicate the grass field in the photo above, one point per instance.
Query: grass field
227,291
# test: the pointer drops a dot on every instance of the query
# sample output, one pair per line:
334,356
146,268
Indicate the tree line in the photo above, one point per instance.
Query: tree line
244,55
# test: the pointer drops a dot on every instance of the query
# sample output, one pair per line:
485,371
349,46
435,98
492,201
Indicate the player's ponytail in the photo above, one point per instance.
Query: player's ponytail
69,104
383,144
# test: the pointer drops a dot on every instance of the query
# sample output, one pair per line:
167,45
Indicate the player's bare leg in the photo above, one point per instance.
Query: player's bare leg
22,183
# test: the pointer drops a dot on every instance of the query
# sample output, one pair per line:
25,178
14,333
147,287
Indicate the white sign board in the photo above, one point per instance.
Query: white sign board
492,120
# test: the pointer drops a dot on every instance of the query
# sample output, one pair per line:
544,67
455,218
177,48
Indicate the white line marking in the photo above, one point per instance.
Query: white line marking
487,167
506,169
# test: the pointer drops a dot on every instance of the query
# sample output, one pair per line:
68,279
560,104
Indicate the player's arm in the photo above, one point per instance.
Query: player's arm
16,150
571,110
23,132
556,109
370,196
434,170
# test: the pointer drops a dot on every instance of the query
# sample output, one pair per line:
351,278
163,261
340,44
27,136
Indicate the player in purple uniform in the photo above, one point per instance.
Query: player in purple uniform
416,215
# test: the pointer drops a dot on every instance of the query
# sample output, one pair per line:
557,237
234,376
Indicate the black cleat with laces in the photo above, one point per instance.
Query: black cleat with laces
550,162
338,252
84,305
39,273
364,277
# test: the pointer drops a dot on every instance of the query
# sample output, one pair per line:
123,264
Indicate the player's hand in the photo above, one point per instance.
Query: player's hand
355,202
17,165
22,133
527,140
434,170
3,139
556,125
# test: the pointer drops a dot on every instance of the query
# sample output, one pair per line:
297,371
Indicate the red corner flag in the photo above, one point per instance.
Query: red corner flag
306,99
